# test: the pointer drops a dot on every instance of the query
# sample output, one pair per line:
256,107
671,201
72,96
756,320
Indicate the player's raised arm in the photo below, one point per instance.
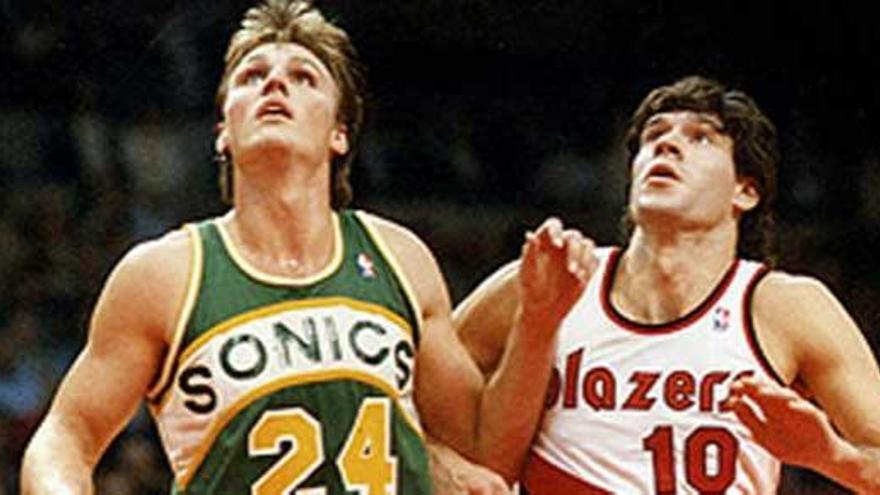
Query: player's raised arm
476,417
555,267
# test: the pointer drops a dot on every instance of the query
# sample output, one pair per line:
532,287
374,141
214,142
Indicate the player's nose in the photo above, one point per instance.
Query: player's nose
667,146
275,82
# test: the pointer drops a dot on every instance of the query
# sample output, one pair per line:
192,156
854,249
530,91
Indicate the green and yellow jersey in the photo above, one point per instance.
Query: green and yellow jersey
294,386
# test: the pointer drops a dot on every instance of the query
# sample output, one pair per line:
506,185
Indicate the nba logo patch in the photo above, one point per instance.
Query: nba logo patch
365,266
721,319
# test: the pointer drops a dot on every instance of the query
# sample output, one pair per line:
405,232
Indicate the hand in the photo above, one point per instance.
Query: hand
452,474
787,425
556,266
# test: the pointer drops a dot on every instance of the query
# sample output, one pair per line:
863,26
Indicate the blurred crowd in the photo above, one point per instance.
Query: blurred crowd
94,160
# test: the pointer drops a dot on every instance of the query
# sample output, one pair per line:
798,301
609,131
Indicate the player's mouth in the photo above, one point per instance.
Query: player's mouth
274,109
661,172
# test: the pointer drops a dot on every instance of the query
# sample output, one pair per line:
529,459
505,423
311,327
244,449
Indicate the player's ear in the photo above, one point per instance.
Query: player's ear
746,197
221,142
339,139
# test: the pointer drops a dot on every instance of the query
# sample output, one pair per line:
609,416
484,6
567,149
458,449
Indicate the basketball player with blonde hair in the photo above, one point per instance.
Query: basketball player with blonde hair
293,345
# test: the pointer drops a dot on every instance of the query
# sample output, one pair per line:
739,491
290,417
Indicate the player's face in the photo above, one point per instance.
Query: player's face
684,173
281,100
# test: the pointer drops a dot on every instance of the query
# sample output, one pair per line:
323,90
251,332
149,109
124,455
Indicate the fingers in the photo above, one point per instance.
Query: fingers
748,401
746,413
547,235
760,403
551,233
779,419
580,258
547,239
577,250
768,395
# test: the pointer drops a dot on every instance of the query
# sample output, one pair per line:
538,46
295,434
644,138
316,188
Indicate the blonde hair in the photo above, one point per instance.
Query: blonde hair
298,21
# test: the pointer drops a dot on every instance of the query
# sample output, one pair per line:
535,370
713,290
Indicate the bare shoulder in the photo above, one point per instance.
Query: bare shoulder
792,284
173,248
786,295
801,323
149,281
157,264
417,263
404,243
499,291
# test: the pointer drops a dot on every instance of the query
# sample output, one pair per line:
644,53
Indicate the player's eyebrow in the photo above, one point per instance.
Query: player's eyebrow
710,119
654,120
702,117
299,59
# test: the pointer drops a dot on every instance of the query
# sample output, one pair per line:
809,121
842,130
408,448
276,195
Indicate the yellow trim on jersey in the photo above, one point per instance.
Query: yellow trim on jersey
264,311
368,220
254,272
319,302
189,300
223,419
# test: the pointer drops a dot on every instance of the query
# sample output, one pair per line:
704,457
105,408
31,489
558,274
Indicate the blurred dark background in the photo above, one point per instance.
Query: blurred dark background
483,118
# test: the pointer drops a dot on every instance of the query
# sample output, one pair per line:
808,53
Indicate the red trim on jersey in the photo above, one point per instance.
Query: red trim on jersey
540,477
657,328
749,325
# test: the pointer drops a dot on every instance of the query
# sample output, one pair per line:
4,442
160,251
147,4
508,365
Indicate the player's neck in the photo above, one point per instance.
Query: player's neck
285,227
664,276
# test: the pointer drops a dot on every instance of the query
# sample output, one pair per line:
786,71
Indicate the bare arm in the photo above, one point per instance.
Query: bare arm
452,474
457,406
554,270
101,391
484,319
815,341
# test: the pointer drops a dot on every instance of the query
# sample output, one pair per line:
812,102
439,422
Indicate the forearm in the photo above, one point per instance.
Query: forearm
513,401
439,460
452,474
54,463
445,465
855,467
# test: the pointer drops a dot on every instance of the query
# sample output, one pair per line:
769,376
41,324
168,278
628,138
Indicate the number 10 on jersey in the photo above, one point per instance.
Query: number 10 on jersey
707,478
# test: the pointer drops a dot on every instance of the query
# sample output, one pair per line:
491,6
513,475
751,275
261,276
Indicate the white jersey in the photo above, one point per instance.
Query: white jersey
636,409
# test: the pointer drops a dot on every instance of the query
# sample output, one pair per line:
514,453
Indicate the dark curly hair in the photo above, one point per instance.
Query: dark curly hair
755,149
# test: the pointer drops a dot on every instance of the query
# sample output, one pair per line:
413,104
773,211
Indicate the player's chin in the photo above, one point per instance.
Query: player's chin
657,209
276,143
